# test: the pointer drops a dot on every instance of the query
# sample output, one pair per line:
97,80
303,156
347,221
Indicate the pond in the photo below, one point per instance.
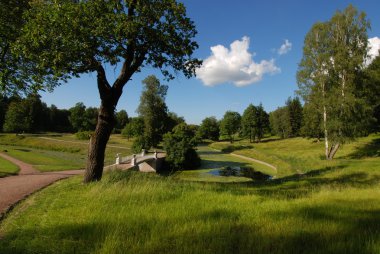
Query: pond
241,172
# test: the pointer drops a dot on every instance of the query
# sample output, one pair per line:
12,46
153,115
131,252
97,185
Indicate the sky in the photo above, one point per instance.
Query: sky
250,51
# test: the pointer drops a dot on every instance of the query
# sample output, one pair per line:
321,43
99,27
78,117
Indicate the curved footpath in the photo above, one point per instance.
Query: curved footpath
13,189
255,160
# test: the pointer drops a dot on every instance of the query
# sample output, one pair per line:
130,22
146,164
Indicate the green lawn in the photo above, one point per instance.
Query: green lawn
52,153
45,160
328,208
7,168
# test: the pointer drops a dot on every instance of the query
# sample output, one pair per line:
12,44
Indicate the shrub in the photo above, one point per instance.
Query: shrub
84,135
179,146
140,143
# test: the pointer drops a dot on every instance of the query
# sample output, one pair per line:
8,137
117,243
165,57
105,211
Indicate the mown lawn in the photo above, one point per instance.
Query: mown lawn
7,168
54,153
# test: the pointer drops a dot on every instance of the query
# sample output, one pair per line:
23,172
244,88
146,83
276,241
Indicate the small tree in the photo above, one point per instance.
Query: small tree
249,122
179,146
294,108
230,124
209,129
134,128
153,110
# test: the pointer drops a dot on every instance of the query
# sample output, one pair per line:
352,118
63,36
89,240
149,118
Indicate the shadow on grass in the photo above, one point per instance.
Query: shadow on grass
369,150
352,229
303,185
23,150
5,174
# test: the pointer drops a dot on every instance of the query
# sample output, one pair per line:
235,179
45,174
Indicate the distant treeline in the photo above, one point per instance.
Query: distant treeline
31,115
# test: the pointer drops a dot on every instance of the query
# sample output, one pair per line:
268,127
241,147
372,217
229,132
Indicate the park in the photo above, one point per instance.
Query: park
301,177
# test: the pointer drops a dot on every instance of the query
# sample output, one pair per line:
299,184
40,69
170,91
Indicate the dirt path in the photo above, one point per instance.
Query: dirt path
13,189
250,159
258,161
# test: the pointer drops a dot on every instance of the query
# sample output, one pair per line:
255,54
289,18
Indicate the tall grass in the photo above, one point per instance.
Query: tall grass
134,213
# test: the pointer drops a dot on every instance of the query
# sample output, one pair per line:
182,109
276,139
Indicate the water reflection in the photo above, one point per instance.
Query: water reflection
242,172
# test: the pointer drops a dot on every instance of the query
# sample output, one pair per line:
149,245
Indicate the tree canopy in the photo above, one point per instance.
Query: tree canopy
334,55
64,39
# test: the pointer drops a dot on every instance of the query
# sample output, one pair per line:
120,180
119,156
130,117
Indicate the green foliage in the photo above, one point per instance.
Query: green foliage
209,129
369,88
312,122
82,118
153,110
294,108
27,115
67,38
179,146
140,143
334,55
173,120
230,124
121,120
134,128
14,71
254,122
84,135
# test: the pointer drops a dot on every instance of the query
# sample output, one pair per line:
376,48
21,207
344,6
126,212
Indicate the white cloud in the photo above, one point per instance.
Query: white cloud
285,48
373,48
234,65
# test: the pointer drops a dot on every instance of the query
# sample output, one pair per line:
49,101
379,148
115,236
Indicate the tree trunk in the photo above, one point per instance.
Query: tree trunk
98,143
325,131
333,151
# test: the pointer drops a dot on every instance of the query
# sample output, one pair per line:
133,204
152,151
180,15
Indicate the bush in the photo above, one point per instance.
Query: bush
179,146
84,135
139,144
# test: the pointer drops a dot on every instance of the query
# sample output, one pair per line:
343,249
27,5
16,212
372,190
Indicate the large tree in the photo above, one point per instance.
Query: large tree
334,54
13,71
153,110
65,39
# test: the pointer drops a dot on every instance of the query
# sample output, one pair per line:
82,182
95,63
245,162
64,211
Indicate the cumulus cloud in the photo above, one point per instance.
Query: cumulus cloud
285,48
234,65
373,48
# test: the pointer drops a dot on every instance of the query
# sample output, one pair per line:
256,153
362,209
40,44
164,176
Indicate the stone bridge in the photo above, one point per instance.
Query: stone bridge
144,162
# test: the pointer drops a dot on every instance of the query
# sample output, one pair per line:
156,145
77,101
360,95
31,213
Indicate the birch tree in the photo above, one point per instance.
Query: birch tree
334,54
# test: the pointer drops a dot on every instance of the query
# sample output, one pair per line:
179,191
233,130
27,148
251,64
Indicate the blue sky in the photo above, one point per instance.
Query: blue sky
258,29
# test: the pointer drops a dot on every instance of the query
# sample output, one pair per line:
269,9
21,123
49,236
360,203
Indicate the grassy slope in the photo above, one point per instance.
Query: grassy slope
148,214
52,155
7,168
326,210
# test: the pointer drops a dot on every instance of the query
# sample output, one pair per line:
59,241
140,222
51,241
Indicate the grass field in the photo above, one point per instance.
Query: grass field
327,208
57,152
7,168
150,214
